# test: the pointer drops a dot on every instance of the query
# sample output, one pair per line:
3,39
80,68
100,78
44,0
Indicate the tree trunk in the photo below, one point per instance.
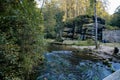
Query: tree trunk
96,26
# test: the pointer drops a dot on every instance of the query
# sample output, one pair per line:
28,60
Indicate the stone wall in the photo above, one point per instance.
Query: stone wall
111,36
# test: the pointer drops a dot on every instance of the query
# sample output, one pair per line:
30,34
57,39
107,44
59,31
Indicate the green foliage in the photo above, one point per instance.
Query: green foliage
9,59
49,12
53,17
90,9
21,39
83,19
115,20
59,24
111,27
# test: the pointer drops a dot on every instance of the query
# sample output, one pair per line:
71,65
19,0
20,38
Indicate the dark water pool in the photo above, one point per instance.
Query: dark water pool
62,65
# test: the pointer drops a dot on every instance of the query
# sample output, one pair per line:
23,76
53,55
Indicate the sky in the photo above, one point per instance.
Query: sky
112,5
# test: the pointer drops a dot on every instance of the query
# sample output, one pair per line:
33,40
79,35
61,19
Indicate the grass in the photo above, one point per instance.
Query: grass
88,42
111,44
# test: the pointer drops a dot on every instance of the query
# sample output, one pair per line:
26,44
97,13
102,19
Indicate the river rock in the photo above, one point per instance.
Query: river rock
116,50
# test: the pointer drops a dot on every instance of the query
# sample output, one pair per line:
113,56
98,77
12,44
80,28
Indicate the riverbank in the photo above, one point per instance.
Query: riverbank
104,52
70,62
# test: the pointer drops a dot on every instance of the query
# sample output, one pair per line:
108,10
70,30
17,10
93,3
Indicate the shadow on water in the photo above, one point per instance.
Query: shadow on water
65,65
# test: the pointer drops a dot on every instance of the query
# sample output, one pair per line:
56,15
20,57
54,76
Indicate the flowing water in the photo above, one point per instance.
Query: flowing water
63,65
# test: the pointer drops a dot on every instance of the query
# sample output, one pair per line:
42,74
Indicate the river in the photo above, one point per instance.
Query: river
63,65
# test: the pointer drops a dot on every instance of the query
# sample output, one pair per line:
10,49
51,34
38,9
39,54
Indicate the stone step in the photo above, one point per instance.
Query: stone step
114,76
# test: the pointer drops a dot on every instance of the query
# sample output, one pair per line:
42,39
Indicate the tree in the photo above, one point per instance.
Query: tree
115,20
73,8
96,25
59,25
21,39
49,11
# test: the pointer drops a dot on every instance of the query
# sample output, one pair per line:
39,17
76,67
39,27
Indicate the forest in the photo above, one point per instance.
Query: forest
26,31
